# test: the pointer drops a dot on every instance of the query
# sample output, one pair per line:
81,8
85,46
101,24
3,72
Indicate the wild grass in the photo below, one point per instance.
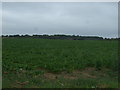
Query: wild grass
56,56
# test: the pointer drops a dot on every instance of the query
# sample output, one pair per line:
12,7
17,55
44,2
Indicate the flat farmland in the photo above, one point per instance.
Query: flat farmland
49,63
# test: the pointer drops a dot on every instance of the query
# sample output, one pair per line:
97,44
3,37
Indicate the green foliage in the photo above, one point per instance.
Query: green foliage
28,59
58,55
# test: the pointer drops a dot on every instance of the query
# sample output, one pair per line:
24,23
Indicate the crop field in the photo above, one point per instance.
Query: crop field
49,63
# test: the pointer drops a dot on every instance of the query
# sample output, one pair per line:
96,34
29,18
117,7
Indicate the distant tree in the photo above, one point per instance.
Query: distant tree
16,35
26,35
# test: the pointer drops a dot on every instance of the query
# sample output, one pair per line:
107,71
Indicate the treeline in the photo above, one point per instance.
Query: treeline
68,37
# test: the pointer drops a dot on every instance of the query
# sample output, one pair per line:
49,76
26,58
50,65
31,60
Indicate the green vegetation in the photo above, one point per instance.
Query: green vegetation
30,59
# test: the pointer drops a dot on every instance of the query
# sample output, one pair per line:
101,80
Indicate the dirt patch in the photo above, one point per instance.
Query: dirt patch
18,84
70,77
22,83
50,76
5,72
85,73
65,75
77,72
88,70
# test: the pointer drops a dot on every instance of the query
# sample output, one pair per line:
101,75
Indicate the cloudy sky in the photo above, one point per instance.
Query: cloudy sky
88,18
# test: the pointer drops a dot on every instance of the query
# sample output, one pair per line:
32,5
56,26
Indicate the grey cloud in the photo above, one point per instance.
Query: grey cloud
99,19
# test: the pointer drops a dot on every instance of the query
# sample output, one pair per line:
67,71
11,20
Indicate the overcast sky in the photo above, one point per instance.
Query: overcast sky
88,18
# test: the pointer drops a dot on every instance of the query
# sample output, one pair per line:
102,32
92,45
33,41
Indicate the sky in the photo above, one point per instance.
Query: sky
71,18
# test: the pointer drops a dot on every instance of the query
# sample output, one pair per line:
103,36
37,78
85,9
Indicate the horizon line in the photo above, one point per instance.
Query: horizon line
60,34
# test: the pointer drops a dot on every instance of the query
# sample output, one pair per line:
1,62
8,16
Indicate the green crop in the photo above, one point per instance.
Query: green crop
58,55
41,63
